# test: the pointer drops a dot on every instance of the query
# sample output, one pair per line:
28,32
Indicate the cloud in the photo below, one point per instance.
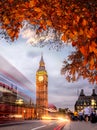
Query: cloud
26,59
49,37
28,33
31,54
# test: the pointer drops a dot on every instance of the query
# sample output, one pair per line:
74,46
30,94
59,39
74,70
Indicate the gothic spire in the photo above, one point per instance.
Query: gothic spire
42,60
93,92
41,64
82,93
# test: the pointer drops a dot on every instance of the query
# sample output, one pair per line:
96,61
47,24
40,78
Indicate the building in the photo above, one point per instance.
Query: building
14,103
84,101
96,89
41,90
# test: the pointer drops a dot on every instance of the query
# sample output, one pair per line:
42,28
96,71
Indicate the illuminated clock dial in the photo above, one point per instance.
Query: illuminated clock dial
40,78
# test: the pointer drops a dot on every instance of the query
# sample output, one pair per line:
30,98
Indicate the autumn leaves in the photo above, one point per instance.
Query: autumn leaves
75,20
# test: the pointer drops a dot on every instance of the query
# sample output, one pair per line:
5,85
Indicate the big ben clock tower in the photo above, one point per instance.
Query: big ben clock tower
41,90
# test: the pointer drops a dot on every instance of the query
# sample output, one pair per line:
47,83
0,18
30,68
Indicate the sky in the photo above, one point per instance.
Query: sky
25,58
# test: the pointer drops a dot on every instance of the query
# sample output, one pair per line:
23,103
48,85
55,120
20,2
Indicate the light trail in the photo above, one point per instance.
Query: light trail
13,78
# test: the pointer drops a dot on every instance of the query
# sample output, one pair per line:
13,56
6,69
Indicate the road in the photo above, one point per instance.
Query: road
49,125
80,125
35,125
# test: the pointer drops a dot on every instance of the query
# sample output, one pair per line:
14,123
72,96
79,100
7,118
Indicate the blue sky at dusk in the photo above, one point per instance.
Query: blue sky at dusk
25,58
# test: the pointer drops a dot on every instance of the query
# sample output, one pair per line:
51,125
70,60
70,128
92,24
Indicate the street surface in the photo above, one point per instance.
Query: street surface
49,125
80,125
34,125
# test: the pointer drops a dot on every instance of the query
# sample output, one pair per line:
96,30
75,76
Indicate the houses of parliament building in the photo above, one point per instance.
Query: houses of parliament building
84,101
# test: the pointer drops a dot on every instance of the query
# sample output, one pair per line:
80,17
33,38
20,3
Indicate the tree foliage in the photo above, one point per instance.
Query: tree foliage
73,68
75,20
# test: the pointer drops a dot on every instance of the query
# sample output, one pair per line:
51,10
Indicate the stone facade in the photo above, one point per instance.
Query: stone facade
84,101
41,90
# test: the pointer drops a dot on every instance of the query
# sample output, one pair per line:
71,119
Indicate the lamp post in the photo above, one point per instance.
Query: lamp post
37,115
93,103
24,114
19,103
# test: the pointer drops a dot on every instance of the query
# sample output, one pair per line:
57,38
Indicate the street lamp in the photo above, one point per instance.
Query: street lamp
24,114
93,103
37,115
19,102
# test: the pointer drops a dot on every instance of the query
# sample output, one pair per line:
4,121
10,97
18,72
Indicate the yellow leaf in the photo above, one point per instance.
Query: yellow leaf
93,47
64,26
6,21
92,62
85,62
49,23
10,1
44,27
72,71
95,50
16,34
90,49
90,33
37,9
77,18
32,3
81,32
59,13
64,37
83,51
84,22
96,78
91,67
9,31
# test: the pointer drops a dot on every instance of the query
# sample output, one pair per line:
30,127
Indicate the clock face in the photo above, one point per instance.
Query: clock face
40,78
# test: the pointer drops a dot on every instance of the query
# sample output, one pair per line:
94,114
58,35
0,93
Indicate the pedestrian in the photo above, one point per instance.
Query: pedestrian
93,117
87,113
75,115
80,115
